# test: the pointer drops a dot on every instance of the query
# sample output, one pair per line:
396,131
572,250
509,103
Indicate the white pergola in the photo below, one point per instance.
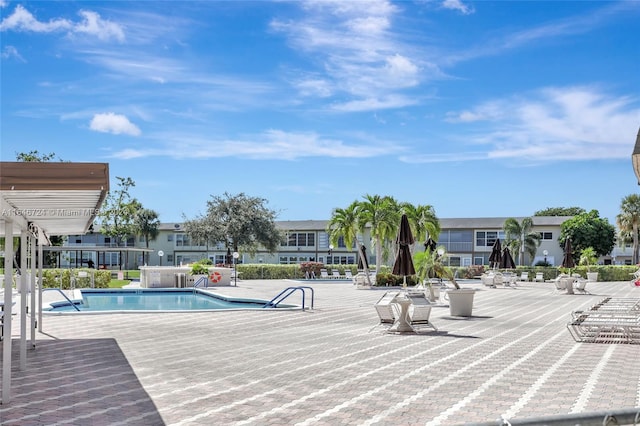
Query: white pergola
38,200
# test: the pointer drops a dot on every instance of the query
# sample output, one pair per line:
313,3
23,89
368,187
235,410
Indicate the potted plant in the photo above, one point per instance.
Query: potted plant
430,264
589,258
200,269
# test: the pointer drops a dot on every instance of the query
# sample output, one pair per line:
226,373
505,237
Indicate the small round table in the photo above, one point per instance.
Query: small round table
401,324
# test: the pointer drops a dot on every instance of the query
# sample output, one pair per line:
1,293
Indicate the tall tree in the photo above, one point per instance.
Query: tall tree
344,223
560,211
118,212
588,230
382,215
147,225
628,221
202,232
35,156
242,222
423,220
520,238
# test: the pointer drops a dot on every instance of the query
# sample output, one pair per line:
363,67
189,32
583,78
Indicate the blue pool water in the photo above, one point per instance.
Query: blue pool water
154,300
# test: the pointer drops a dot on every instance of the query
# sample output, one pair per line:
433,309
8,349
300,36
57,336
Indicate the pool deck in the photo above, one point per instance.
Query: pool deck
514,358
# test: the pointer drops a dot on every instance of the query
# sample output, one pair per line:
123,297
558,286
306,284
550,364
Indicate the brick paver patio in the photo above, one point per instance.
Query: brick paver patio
514,358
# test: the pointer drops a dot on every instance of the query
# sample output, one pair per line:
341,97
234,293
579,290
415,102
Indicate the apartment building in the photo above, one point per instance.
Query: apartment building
468,241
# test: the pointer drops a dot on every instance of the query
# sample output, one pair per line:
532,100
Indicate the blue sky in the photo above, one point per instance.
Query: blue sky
478,108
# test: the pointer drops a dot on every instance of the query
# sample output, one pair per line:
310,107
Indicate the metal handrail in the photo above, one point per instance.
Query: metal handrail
594,418
197,283
273,303
63,295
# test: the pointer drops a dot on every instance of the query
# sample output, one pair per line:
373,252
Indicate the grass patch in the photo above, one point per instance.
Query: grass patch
118,283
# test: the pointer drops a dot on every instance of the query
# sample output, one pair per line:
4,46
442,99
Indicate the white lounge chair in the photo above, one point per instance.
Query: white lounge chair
385,307
335,274
539,277
581,286
324,274
348,275
419,312
524,276
498,279
487,279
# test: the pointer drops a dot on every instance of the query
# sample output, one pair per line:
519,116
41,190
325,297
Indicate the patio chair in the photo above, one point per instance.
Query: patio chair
419,312
580,286
539,277
487,279
348,275
324,274
524,276
386,310
509,279
498,279
335,274
605,327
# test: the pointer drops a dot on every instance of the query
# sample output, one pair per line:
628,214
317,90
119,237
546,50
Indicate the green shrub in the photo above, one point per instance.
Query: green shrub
61,278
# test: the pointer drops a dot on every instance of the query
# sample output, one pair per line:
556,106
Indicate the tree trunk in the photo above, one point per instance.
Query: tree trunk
635,243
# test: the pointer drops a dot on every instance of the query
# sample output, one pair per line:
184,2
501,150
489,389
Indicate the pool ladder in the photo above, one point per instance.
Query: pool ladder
204,280
273,303
63,295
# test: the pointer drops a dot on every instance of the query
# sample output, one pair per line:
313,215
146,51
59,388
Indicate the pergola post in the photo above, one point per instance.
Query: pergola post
22,289
32,285
6,324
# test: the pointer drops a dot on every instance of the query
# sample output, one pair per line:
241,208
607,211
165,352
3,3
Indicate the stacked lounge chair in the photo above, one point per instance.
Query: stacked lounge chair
612,320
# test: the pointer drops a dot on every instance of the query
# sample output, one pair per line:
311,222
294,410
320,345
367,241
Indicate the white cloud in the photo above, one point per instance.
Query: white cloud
370,104
271,144
358,53
94,25
22,20
314,87
11,52
554,29
91,23
114,123
458,5
570,123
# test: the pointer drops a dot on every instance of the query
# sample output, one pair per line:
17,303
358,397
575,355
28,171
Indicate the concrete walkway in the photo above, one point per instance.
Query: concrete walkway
513,358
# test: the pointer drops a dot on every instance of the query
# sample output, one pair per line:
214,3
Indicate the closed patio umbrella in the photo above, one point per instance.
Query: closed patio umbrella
567,260
403,264
430,245
363,263
507,260
496,254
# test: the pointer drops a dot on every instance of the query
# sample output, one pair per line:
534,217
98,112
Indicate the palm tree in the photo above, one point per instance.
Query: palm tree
431,264
344,223
147,224
629,219
382,215
423,220
520,238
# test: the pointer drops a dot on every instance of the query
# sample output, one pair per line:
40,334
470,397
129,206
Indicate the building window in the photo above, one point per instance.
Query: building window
300,239
170,258
488,238
170,237
546,235
182,240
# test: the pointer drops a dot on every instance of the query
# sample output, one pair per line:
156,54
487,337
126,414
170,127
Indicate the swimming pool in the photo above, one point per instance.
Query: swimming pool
152,300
